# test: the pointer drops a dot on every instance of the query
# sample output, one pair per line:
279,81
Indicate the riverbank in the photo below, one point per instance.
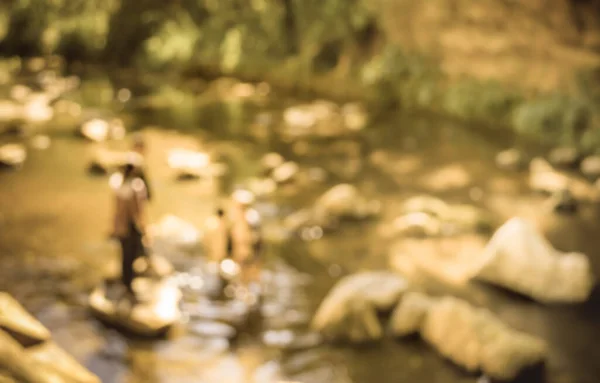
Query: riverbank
472,63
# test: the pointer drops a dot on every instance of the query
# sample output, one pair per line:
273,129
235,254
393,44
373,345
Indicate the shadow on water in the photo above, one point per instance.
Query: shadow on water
52,210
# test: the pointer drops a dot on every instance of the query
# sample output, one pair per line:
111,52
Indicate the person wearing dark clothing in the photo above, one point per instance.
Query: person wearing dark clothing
129,221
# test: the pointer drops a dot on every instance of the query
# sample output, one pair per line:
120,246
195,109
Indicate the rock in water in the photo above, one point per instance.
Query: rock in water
56,360
590,167
564,157
409,315
157,311
349,310
345,201
431,216
233,313
45,363
213,329
510,159
543,178
12,155
426,204
190,164
20,366
27,353
290,339
415,225
564,202
270,161
476,340
355,116
519,258
99,130
15,320
285,172
106,161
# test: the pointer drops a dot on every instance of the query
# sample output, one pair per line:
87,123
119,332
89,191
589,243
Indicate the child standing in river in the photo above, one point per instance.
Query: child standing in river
246,237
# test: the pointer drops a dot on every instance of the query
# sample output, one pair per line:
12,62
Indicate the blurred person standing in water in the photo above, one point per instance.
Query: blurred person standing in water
217,238
129,225
139,147
245,243
235,235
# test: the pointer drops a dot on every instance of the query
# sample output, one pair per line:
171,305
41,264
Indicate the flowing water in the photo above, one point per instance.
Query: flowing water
54,221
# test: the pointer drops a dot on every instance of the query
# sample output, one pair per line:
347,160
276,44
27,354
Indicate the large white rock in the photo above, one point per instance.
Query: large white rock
519,258
478,341
349,310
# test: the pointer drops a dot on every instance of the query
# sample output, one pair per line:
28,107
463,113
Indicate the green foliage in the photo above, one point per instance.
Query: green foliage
483,101
173,44
294,42
73,28
410,78
554,118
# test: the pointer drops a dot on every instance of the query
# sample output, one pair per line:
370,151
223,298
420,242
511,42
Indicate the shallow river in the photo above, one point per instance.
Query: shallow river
54,218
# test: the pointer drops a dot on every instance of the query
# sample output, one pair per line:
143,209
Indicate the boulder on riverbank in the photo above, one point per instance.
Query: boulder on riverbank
520,259
471,337
27,353
349,312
